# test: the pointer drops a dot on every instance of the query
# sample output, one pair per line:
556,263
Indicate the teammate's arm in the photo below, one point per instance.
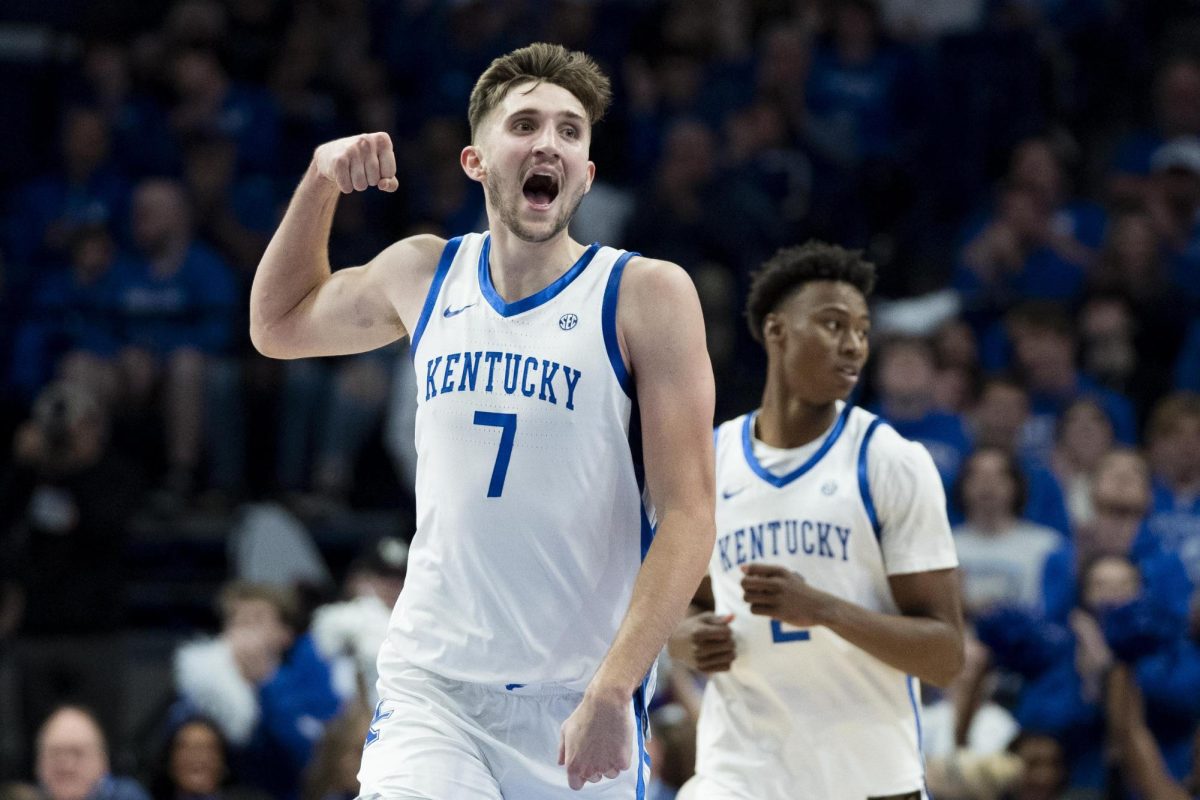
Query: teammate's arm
298,306
661,331
925,639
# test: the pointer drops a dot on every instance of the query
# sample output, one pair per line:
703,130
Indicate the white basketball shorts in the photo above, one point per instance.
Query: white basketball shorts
433,738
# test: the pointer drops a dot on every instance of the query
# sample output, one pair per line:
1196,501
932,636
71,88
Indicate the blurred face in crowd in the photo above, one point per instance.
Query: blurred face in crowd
91,255
1086,434
1110,581
989,493
71,755
1045,771
1046,357
197,759
264,619
533,153
819,338
1000,415
1176,452
1134,245
160,216
1036,167
85,142
1121,497
906,373
689,156
1107,328
1179,99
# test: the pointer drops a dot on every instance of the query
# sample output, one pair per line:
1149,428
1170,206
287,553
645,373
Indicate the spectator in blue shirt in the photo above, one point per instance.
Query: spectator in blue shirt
71,325
72,760
1177,113
1045,344
906,371
1083,436
177,306
1175,206
1173,441
1121,499
208,102
87,189
1001,419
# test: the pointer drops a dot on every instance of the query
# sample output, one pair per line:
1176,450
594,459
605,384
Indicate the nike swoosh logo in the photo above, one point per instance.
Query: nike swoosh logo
728,494
454,312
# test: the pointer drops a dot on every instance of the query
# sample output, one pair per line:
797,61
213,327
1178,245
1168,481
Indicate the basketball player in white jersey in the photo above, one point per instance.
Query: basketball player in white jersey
519,652
834,575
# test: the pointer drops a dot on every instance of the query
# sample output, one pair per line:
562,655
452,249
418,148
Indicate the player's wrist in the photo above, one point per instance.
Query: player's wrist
607,689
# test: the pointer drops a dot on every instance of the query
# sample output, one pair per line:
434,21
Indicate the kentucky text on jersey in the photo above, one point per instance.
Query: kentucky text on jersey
494,371
792,536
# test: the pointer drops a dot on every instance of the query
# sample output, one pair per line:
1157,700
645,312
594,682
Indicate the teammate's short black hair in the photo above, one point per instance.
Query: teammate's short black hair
791,267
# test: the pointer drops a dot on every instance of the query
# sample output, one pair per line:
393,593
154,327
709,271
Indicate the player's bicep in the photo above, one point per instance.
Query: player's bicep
362,308
663,331
933,594
906,491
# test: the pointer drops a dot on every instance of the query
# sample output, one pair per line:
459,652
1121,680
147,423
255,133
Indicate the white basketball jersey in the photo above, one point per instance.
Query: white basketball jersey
530,522
802,713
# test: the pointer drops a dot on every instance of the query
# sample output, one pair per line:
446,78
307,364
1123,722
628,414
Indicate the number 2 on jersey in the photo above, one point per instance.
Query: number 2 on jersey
507,423
778,634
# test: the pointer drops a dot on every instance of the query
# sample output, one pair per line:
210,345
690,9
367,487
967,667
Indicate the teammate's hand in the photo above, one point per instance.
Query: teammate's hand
704,642
356,162
777,592
596,740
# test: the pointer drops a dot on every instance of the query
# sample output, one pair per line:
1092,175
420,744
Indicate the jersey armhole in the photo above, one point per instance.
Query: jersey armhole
435,288
864,481
608,314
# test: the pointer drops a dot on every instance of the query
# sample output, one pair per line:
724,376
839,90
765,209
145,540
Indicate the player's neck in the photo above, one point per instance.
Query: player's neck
520,269
787,422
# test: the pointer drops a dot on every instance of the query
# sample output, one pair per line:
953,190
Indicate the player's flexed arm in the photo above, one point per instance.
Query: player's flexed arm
298,307
662,333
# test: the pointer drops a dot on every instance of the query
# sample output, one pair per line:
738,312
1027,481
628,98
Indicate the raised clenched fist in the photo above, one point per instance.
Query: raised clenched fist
356,162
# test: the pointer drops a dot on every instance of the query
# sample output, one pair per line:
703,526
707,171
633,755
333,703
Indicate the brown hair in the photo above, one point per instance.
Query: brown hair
283,599
572,70
1169,412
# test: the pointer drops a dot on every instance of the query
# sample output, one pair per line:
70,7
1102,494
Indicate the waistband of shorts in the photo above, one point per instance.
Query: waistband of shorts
531,689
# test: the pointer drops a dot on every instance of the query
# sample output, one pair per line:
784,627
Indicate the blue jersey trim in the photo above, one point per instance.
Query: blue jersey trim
435,288
642,722
864,482
912,699
608,315
536,299
779,481
648,530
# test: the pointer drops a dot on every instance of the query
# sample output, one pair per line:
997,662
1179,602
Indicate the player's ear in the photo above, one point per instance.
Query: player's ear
471,159
772,327
591,176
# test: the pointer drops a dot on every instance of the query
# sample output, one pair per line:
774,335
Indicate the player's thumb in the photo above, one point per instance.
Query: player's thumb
717,619
389,184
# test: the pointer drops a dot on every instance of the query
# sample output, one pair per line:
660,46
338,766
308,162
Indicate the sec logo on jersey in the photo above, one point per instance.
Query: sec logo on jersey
568,321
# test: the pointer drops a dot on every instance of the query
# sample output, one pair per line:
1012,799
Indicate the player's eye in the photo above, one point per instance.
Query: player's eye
571,132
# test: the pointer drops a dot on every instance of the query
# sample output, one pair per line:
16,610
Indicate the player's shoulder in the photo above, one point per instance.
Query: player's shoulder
648,278
890,456
883,442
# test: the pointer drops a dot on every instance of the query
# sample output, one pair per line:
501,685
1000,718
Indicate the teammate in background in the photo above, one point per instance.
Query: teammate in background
834,573
534,604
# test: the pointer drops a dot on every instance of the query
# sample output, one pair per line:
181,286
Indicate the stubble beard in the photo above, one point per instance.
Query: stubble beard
507,208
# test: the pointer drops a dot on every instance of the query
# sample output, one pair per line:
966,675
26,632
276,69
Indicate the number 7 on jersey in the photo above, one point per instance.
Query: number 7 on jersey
507,423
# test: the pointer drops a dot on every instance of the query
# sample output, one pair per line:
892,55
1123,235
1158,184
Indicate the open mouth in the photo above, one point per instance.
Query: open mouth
540,190
848,372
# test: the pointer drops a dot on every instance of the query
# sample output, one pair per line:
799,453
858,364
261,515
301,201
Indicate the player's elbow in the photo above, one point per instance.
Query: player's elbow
267,339
947,666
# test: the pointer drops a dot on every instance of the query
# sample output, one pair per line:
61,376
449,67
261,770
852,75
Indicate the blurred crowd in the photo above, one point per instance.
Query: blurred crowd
1026,174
